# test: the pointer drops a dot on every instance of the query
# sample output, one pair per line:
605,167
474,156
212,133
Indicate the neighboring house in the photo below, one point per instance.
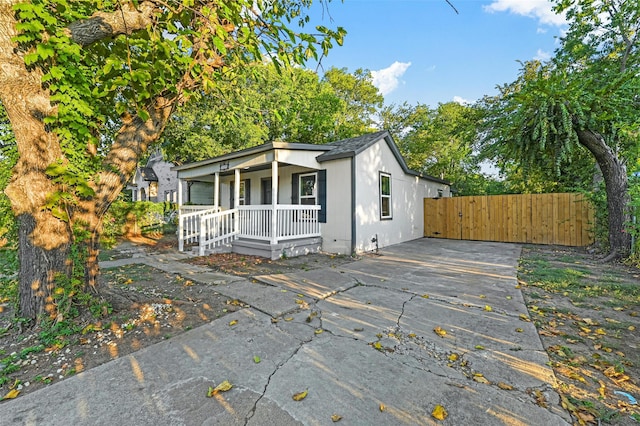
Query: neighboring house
349,196
155,182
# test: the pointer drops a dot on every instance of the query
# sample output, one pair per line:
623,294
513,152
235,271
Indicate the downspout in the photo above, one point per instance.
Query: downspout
353,205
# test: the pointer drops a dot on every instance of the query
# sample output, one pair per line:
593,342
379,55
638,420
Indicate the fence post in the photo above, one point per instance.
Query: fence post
180,231
202,235
274,224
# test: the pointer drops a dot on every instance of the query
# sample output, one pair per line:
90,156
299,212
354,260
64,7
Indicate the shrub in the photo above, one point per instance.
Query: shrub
133,218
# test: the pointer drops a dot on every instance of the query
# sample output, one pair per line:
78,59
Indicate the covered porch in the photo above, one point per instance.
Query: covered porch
218,213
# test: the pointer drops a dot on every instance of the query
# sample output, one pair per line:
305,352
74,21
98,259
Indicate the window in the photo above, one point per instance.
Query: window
241,197
307,189
385,196
153,191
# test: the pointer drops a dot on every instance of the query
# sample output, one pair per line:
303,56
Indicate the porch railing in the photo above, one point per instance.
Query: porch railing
189,223
212,228
291,221
217,229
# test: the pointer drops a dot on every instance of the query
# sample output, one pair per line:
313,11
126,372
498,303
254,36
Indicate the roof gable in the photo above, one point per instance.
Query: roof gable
148,174
351,147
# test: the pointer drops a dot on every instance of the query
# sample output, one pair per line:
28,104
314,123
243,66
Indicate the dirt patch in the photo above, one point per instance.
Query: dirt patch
147,305
587,315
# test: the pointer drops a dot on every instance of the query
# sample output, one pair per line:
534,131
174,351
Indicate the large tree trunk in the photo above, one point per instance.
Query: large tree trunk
133,138
614,173
44,240
39,269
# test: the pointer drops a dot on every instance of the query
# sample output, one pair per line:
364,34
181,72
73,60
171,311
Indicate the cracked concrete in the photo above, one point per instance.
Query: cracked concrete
357,337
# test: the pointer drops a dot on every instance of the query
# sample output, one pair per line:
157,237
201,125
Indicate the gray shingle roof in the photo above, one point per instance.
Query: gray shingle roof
352,146
148,174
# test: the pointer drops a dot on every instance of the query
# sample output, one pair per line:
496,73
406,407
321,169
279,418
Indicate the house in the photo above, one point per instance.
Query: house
286,199
155,182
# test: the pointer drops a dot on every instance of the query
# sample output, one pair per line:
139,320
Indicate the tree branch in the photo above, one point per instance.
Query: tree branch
109,24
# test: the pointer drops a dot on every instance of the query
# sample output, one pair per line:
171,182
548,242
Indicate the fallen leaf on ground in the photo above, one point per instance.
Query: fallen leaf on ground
232,323
222,387
440,332
541,400
504,386
382,407
300,395
256,359
439,412
336,417
478,377
11,394
488,308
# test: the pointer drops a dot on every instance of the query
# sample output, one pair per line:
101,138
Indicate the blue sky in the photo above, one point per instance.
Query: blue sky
421,51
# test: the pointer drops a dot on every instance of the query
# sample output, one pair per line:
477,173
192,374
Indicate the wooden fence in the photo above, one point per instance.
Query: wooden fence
563,219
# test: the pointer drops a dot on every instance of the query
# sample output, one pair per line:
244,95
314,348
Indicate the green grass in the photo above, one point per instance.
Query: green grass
577,283
8,277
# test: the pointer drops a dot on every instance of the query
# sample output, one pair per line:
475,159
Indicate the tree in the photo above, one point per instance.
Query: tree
439,142
260,104
361,101
586,97
8,156
89,85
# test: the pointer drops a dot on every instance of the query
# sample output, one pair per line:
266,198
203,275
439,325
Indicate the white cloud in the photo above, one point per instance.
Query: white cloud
387,79
542,56
462,101
538,9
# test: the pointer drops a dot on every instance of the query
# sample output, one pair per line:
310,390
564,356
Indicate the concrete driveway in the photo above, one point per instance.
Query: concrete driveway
359,339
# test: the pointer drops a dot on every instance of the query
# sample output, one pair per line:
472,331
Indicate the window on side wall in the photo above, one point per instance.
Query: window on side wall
385,196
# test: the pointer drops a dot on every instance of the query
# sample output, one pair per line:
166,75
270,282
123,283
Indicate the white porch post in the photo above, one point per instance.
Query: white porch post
274,202
180,225
216,191
236,200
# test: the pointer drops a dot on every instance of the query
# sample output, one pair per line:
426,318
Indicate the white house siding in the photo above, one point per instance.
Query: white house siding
336,232
167,182
407,193
284,184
